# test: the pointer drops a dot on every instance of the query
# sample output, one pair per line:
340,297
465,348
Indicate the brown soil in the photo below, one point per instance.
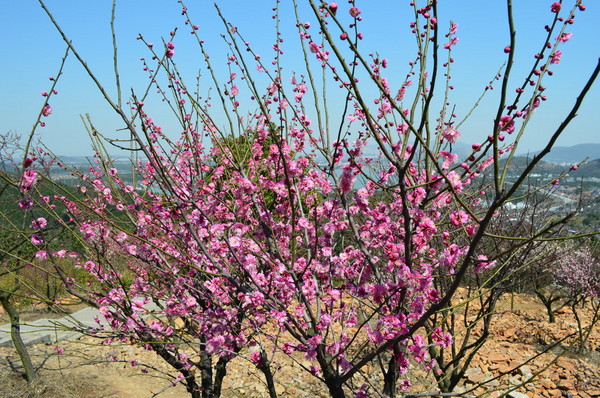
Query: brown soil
520,332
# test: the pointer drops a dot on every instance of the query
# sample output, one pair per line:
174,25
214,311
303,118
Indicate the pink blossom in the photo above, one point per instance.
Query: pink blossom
441,338
563,37
88,232
60,253
451,135
333,7
483,263
36,239
459,217
555,57
555,7
453,29
448,158
507,124
177,379
347,181
256,358
28,162
39,223
362,393
417,349
314,47
29,179
451,43
47,110
235,241
354,11
41,255
455,181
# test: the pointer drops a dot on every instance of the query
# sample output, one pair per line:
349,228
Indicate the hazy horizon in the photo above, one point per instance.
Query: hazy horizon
35,50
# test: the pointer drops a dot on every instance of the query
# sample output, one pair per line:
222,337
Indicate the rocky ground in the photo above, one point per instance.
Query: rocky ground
520,333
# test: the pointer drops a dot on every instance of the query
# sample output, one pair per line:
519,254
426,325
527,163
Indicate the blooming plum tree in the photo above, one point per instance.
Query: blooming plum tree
579,274
294,230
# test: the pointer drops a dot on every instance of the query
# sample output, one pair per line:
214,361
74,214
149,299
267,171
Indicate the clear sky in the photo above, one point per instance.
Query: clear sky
33,50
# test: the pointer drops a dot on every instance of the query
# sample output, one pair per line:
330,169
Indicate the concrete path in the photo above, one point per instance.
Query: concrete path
51,330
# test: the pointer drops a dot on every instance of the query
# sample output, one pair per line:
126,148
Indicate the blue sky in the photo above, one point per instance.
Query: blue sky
33,50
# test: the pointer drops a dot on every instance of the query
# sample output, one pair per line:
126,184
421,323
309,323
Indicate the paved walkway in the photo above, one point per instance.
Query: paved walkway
51,330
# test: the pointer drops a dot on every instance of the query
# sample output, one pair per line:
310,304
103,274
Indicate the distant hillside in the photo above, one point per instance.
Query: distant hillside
589,169
519,163
571,154
559,155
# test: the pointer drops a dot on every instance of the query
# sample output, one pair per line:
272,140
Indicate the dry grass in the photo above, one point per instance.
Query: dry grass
48,384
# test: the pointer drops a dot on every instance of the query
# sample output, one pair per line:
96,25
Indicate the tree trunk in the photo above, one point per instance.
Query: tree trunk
206,372
265,368
220,373
15,334
548,304
189,381
330,375
335,389
390,378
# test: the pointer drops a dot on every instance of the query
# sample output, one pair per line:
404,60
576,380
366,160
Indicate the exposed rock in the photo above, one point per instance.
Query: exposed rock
566,385
516,394
525,371
547,384
476,376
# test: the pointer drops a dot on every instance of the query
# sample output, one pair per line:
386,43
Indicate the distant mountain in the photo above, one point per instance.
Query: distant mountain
571,154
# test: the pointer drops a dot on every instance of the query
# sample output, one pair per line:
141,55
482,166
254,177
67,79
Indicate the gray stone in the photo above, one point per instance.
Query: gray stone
516,394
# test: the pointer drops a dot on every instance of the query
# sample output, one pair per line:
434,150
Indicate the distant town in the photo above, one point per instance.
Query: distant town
567,181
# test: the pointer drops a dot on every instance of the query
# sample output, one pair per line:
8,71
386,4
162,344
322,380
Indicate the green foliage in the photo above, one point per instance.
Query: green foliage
36,278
